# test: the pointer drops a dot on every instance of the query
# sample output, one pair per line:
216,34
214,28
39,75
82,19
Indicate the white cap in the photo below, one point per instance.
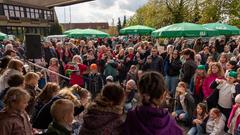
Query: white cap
110,78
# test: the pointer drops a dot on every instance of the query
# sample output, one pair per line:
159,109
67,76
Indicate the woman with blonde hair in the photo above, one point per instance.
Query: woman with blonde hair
215,71
15,66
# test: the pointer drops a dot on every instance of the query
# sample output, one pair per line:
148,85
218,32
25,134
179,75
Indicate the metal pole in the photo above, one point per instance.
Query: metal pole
35,65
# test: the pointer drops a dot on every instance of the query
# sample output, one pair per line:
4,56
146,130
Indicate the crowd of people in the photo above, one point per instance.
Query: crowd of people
122,86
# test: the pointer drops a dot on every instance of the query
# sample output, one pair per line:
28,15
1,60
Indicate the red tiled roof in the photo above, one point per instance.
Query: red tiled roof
99,25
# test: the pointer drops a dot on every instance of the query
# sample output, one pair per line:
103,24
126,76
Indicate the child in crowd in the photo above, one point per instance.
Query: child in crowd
223,59
109,79
216,122
48,92
13,118
132,74
16,80
234,118
44,118
231,66
196,84
111,69
53,66
104,114
14,67
210,60
77,69
226,92
95,81
130,93
62,122
31,85
199,119
42,79
185,104
84,96
215,71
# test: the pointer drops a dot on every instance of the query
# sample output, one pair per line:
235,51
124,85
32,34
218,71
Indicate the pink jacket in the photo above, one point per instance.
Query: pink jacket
234,109
207,91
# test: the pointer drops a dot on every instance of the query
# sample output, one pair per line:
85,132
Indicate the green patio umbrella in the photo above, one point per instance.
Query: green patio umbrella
137,30
184,30
224,29
3,36
69,31
92,33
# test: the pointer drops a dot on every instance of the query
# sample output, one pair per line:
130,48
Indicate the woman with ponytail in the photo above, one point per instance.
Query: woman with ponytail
151,118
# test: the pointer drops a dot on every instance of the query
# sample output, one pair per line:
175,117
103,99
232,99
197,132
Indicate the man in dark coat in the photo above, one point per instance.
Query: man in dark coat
156,63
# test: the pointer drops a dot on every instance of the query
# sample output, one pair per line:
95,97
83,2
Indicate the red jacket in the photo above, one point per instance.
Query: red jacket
234,109
75,77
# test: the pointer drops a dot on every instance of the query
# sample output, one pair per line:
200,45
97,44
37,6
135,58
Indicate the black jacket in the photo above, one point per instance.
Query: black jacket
44,118
156,65
190,105
94,83
188,70
172,68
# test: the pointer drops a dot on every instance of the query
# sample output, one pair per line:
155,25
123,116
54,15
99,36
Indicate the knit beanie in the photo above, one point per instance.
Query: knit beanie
201,67
232,74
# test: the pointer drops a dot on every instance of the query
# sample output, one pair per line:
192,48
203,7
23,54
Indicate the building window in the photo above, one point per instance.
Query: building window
41,16
11,11
6,13
32,13
48,15
36,14
28,13
17,11
45,15
22,12
52,16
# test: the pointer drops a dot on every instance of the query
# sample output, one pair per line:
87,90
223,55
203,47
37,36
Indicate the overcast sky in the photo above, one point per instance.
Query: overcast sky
99,11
